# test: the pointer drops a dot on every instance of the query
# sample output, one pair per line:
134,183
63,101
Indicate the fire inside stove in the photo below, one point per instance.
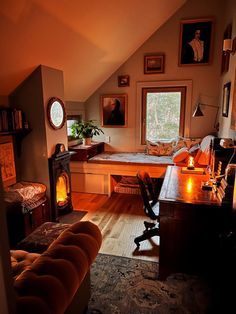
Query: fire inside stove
62,189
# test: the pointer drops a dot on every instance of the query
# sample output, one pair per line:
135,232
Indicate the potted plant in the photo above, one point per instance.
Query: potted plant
85,130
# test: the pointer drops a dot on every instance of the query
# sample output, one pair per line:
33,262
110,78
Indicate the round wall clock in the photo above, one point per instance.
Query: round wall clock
56,113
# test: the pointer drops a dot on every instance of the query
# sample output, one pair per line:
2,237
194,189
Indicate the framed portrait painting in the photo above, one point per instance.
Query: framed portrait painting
113,109
226,95
196,39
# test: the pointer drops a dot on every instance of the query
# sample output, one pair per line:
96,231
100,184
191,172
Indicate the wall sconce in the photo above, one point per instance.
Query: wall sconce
199,113
229,45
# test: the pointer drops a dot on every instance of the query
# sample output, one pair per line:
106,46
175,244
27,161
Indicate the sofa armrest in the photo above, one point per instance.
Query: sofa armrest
49,284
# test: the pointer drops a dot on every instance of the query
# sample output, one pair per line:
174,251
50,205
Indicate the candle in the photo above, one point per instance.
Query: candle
190,163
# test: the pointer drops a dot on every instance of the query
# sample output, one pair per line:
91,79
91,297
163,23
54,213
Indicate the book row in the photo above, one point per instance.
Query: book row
10,119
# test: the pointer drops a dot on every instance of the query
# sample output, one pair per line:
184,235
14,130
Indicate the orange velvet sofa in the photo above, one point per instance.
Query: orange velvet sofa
58,280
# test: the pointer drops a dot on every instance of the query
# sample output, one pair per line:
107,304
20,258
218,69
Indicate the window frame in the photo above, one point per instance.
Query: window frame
149,84
145,91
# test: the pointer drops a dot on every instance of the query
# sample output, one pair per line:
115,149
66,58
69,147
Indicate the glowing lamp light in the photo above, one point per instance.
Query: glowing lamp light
189,186
190,165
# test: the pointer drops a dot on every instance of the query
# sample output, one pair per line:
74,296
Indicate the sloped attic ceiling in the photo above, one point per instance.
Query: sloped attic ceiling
86,39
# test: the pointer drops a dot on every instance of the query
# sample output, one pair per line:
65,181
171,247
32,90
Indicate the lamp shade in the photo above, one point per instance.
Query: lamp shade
198,112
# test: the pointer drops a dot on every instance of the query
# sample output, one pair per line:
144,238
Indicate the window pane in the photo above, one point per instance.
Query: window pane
162,115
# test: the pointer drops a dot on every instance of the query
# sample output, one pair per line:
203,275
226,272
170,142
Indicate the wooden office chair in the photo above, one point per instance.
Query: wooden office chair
150,206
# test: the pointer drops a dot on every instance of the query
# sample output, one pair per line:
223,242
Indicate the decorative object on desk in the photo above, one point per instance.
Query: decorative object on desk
195,42
228,143
190,165
154,64
85,130
226,96
123,80
56,113
230,174
114,110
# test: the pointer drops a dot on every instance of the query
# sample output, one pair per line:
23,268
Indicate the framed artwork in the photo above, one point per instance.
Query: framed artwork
154,64
7,164
226,95
123,80
114,110
56,113
196,38
225,56
233,115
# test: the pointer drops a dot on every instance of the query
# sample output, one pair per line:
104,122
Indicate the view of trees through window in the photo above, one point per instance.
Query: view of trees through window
163,110
162,115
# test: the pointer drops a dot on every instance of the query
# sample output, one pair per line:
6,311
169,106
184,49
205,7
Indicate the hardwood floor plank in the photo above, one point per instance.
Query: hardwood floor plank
120,219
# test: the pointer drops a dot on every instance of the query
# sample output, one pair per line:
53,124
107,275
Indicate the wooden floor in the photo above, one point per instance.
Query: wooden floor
120,219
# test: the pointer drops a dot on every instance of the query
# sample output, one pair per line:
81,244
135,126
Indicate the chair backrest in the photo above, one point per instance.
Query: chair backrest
147,193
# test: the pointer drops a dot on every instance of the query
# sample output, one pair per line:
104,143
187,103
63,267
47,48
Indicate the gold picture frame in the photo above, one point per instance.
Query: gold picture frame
154,64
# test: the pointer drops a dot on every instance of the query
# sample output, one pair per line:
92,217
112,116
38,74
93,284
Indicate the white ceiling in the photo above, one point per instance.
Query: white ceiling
88,40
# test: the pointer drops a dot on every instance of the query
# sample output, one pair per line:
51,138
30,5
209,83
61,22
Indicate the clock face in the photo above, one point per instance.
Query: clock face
56,113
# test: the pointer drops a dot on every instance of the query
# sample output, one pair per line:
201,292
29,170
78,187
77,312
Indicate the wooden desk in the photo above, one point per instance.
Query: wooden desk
190,222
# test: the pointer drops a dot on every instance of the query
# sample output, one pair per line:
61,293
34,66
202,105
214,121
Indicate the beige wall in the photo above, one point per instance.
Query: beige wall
230,76
53,86
32,97
205,79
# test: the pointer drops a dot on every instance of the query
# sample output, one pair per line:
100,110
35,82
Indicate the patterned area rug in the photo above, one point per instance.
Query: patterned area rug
74,216
123,285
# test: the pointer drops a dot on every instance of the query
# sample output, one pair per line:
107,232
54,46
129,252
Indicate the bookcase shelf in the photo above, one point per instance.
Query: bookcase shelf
20,132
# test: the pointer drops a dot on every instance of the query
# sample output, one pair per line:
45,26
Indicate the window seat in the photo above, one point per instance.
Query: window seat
131,158
97,175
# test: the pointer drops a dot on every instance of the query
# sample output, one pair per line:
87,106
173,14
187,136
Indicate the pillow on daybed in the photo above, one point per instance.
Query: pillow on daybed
181,155
160,148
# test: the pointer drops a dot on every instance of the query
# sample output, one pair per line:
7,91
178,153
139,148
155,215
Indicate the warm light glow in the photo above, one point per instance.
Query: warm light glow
190,163
189,185
61,190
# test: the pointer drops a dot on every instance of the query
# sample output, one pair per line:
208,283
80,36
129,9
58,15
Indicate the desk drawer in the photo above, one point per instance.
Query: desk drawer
177,211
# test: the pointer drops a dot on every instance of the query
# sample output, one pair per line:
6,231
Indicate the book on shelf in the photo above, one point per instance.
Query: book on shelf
10,119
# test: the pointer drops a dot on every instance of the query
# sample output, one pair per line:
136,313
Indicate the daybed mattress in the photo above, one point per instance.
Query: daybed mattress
131,158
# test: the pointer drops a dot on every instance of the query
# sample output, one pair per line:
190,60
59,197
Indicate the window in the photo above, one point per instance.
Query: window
71,119
163,112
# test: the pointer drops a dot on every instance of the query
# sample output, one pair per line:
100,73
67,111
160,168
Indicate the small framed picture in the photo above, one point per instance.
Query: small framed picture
154,64
114,110
123,80
226,95
195,44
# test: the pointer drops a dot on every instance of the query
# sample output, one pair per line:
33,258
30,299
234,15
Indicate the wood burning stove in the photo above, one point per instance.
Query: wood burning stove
60,182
